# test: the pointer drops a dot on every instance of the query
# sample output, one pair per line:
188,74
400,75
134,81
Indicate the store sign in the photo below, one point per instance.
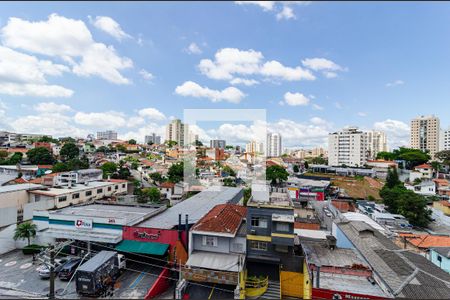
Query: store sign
147,236
83,223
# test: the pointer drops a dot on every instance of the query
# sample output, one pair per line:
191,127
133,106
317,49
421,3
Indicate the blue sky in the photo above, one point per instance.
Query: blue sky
74,68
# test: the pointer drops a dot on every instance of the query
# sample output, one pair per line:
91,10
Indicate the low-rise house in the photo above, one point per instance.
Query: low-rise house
440,256
422,243
443,205
425,188
167,188
217,246
381,167
425,170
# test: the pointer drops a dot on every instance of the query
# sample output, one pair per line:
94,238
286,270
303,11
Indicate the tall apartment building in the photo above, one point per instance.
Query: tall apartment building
178,132
254,147
217,144
444,140
107,135
425,131
347,147
273,145
309,153
153,138
376,142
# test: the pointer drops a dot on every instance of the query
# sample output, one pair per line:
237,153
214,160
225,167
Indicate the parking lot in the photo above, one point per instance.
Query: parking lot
20,279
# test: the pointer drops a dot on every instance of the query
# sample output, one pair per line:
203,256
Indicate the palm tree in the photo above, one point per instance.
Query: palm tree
25,230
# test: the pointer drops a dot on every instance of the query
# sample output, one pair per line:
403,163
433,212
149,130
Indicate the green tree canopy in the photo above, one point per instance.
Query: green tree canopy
276,174
386,155
229,171
40,156
69,151
156,177
153,194
26,230
413,157
15,158
60,167
170,144
176,172
247,195
319,160
229,182
108,168
296,169
132,142
392,179
444,156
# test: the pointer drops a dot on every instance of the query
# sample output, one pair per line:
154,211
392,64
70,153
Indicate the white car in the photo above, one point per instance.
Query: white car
44,270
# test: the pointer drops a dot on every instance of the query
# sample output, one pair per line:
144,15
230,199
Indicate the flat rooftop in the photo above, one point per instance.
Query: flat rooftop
75,188
130,214
196,207
20,187
349,283
275,200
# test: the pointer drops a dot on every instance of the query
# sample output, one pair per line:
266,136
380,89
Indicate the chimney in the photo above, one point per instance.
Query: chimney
318,277
186,228
179,227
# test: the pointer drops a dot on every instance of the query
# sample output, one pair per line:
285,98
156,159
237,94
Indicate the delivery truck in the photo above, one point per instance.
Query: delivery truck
95,276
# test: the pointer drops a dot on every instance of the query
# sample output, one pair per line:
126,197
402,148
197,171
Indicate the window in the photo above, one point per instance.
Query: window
282,227
109,189
88,193
257,245
210,241
62,199
259,222
99,191
116,187
76,196
123,185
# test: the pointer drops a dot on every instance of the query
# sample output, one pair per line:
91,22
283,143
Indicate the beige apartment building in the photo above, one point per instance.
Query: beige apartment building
425,131
178,132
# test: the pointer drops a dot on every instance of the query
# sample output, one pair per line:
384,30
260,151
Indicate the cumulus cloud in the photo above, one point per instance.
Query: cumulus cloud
26,75
193,48
328,68
192,89
69,40
243,81
51,107
286,13
231,63
100,120
317,107
151,113
146,75
283,9
110,26
395,83
295,99
397,132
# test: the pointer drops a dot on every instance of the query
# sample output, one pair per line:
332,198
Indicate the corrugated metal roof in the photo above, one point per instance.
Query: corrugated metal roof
215,261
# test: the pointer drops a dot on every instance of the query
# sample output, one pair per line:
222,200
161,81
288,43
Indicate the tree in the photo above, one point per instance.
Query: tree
386,155
306,165
247,195
229,171
47,139
156,177
102,149
414,208
170,144
229,182
296,169
60,167
198,143
24,231
229,147
78,164
108,168
121,148
392,179
67,140
132,142
443,156
176,172
319,160
69,151
15,158
134,165
40,156
276,174
153,194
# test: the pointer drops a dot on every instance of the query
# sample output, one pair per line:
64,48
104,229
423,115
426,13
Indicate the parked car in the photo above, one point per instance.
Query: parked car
68,269
44,270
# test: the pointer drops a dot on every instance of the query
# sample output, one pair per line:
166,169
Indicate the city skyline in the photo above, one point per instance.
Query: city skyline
134,71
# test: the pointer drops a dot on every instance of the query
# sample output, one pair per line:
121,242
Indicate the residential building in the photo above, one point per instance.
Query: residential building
153,138
254,147
425,131
425,188
107,135
217,144
443,205
376,142
310,153
440,256
347,147
178,132
217,246
400,274
422,242
445,140
273,145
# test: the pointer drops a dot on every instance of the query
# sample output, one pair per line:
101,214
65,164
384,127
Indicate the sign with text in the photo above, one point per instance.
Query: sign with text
83,223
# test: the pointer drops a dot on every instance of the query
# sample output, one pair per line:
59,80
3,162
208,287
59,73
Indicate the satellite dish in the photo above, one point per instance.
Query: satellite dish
48,172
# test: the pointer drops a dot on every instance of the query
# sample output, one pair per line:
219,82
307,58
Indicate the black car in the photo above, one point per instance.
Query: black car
68,269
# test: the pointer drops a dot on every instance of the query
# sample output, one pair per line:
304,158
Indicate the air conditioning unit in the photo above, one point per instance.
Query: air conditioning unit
253,231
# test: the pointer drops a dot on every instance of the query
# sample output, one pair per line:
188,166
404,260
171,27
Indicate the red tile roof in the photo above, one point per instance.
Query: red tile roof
427,240
147,162
116,180
222,218
45,166
20,180
167,185
424,166
14,150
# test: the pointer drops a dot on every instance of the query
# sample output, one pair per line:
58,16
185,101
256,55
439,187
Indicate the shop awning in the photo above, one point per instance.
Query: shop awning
142,247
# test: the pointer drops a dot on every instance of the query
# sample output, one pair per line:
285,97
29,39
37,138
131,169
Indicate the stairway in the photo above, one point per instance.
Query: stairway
273,291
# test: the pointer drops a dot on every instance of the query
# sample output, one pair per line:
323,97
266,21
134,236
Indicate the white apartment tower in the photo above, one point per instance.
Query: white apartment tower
178,132
376,142
273,145
254,147
107,135
425,132
347,147
445,140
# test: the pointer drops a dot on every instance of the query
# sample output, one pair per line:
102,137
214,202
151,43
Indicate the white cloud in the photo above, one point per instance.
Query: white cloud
231,62
265,5
51,107
193,48
192,89
328,68
286,13
69,40
152,113
110,26
395,83
317,107
296,99
101,120
243,81
146,75
283,9
36,90
397,132
362,114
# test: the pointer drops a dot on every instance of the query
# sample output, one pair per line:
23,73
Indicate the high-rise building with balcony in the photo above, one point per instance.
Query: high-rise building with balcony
425,132
347,147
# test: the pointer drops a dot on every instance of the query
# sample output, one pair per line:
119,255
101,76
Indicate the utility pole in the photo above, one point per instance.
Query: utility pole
51,294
